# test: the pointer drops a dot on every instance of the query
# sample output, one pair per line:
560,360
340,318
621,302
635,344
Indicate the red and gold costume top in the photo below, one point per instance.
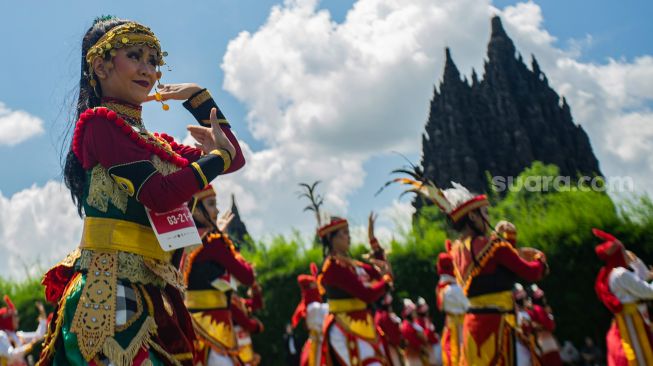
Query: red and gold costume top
211,273
213,264
484,266
346,278
129,168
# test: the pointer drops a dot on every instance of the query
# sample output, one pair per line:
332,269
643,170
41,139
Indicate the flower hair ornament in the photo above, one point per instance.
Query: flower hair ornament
125,35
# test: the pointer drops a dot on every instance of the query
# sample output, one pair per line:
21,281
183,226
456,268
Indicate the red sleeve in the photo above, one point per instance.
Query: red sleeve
410,335
527,270
238,160
541,316
106,144
251,325
234,264
341,277
390,329
188,152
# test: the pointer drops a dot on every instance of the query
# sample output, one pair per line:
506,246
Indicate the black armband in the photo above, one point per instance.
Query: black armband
200,105
131,177
210,166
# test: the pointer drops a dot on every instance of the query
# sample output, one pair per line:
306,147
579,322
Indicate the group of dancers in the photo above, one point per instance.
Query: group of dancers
131,294
491,318
488,319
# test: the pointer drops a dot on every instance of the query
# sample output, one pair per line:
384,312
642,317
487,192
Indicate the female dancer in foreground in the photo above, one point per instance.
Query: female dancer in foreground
118,295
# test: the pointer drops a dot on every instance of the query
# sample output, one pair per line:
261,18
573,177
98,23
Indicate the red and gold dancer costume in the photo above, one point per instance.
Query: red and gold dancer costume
350,335
629,340
119,298
15,344
432,337
544,325
486,269
416,352
246,325
212,272
453,303
313,311
389,326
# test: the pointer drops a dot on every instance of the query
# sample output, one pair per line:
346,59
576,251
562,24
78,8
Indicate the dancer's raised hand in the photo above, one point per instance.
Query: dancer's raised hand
181,91
209,139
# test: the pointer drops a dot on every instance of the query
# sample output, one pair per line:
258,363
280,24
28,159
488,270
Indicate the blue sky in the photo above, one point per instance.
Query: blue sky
39,76
41,58
40,67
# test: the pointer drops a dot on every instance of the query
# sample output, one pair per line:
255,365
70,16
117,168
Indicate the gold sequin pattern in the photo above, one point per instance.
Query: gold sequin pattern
103,189
95,316
167,272
131,112
124,35
200,98
164,167
131,267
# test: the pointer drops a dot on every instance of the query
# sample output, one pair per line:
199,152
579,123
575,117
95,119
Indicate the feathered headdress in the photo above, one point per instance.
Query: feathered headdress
316,200
455,202
325,224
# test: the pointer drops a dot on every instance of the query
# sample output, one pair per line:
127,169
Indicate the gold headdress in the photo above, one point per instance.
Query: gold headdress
124,35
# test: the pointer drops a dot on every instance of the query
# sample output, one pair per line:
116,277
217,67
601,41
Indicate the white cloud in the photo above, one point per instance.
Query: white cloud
17,126
325,96
38,227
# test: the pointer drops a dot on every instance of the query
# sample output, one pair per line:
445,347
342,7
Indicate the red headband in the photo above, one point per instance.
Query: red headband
469,206
208,191
331,227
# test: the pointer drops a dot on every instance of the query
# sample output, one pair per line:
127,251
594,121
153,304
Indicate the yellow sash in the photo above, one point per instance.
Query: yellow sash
125,236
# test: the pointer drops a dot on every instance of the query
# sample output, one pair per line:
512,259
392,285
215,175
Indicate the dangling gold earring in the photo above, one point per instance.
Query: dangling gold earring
157,95
92,82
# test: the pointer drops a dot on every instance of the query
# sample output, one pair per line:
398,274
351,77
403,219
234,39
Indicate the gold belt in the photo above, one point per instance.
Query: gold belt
502,301
112,234
346,305
206,299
